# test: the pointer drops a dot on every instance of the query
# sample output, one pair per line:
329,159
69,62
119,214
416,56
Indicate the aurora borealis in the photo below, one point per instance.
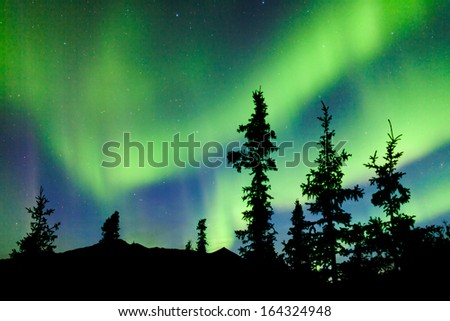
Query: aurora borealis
77,74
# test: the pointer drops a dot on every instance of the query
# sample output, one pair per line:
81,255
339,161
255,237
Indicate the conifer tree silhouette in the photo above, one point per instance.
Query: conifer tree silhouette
390,196
366,251
446,229
188,246
42,236
324,185
258,239
201,236
298,248
110,229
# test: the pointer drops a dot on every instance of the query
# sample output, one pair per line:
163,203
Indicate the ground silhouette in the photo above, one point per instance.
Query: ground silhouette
118,270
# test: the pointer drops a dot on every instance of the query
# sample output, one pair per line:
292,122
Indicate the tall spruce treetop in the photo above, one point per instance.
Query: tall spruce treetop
298,247
258,239
324,185
201,236
42,236
391,195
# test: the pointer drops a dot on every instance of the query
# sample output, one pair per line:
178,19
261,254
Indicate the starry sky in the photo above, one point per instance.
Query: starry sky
77,74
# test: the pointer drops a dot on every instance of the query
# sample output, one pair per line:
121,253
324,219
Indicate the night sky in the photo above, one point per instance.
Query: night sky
77,74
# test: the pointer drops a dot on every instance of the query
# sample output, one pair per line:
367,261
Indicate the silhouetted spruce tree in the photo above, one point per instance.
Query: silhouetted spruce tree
110,229
366,261
188,246
324,185
354,267
258,239
391,195
42,236
298,248
426,254
201,236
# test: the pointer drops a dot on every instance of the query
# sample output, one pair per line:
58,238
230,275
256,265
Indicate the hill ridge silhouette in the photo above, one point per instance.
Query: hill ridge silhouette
119,270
